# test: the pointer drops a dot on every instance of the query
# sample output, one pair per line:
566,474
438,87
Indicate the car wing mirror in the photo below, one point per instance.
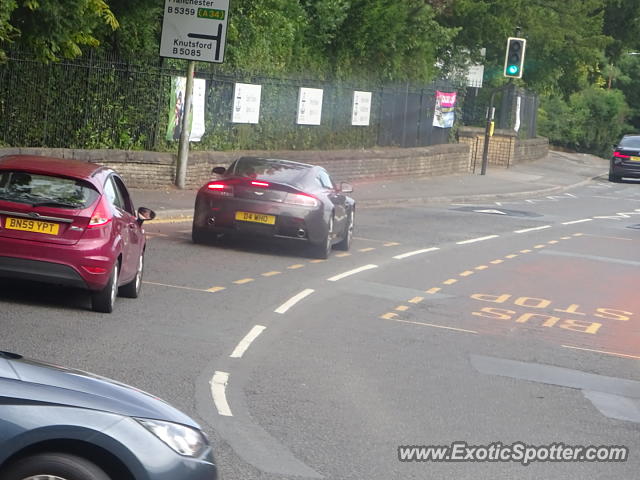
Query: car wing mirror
219,170
145,213
346,187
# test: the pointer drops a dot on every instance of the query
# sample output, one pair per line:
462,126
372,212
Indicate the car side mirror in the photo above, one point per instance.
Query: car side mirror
219,170
145,213
346,187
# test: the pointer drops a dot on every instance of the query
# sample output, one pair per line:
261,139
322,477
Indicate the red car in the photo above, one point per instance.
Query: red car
70,223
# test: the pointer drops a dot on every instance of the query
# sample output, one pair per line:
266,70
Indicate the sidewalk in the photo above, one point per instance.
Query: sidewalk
556,173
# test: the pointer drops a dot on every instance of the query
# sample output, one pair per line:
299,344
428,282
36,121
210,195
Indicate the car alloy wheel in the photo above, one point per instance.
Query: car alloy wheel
345,243
132,289
323,249
104,300
58,466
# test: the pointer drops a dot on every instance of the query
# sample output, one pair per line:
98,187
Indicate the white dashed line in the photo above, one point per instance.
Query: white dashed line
351,272
525,230
245,343
415,252
293,300
578,221
218,391
479,239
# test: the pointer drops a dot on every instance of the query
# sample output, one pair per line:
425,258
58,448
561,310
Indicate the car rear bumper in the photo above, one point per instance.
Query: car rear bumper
626,170
55,264
292,222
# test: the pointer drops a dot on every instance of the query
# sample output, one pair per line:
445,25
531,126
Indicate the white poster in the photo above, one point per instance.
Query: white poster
176,110
246,103
475,74
516,127
361,113
199,98
310,106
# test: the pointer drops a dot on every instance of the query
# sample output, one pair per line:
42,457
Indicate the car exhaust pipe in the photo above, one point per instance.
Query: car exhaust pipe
301,233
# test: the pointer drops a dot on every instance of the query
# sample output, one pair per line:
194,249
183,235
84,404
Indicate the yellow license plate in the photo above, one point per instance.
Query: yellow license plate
256,218
634,159
27,225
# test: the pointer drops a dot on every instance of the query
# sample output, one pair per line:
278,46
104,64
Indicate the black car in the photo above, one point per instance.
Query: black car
276,198
625,161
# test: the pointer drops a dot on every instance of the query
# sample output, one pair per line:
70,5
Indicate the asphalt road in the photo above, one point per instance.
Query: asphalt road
495,322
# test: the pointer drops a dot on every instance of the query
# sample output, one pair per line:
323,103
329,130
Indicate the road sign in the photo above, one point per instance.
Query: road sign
194,30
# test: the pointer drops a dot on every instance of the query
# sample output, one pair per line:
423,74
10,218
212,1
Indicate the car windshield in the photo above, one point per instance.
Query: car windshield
630,142
41,190
273,170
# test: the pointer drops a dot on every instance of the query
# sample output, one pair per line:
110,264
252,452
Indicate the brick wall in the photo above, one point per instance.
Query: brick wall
505,149
155,170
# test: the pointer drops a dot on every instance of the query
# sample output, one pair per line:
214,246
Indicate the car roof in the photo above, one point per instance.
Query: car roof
51,166
278,160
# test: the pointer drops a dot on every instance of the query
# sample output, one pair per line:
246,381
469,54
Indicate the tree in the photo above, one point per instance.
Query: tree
53,29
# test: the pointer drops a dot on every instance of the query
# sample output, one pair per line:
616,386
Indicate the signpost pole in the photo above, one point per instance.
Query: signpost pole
183,148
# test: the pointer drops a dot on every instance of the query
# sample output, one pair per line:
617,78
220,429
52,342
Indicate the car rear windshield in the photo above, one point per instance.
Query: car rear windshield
272,170
44,190
630,142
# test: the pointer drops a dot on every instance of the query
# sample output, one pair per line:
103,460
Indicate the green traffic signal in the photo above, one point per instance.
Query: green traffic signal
514,57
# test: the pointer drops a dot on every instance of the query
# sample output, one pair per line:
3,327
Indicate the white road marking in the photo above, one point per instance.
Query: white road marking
218,391
443,327
571,195
351,272
245,343
175,286
525,230
578,221
601,351
293,300
479,239
415,252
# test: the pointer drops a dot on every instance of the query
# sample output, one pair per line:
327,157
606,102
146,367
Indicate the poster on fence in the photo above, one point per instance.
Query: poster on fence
445,109
246,103
176,109
310,106
361,109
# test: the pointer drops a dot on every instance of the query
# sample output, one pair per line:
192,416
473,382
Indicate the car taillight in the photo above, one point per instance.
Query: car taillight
620,155
259,184
220,188
301,199
101,215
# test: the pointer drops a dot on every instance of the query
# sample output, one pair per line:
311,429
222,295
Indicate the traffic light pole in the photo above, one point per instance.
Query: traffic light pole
487,134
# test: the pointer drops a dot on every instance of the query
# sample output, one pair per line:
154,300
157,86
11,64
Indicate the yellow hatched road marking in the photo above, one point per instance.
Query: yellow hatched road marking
317,260
391,244
565,238
578,234
466,273
368,249
451,281
552,242
215,289
243,281
402,308
497,261
539,246
481,267
433,290
513,255
343,254
416,299
296,266
271,274
389,316
525,251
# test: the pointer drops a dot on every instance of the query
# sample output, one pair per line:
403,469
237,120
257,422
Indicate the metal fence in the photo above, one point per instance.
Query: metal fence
101,101
516,109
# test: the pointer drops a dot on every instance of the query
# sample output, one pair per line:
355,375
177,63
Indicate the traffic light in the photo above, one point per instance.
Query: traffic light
514,58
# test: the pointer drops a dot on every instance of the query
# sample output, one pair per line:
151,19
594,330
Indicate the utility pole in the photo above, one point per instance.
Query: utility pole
183,146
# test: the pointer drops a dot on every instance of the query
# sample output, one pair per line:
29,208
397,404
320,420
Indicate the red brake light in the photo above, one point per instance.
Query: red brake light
302,199
259,184
620,155
220,188
101,215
